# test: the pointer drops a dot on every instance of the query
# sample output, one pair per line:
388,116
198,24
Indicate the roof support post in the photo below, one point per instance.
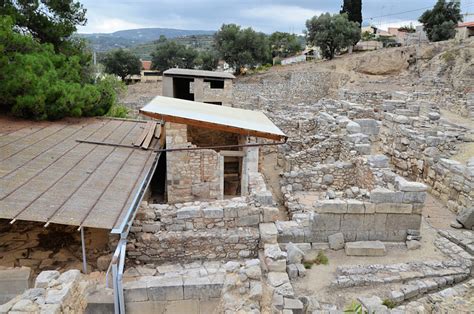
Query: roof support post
84,258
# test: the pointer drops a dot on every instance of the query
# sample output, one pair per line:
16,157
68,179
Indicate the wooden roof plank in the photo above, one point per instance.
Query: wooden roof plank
149,136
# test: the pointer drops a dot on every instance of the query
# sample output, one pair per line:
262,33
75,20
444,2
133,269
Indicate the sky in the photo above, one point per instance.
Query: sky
106,16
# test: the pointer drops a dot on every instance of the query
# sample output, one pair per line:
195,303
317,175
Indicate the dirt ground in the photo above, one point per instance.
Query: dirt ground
318,278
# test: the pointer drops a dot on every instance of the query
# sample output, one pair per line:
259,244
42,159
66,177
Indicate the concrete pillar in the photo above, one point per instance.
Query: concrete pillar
167,86
198,86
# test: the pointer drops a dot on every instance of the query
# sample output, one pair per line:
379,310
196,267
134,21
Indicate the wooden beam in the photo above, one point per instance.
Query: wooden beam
149,136
141,137
214,126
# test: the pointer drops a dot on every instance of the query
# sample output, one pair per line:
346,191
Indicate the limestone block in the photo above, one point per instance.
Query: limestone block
268,233
188,212
165,288
353,127
393,208
275,265
373,304
369,126
256,290
264,198
365,248
409,291
270,214
331,206
276,279
247,221
58,296
135,291
43,279
378,161
413,245
285,290
414,197
466,217
200,288
336,241
397,296
301,270
151,227
355,207
292,271
358,138
70,276
213,212
294,305
326,222
363,149
409,186
383,195
402,222
294,254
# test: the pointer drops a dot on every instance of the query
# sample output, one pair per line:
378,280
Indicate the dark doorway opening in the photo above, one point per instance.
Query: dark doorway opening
158,182
215,84
218,103
182,88
232,176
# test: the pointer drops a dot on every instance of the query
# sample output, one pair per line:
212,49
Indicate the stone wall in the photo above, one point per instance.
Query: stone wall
198,231
52,293
421,153
191,174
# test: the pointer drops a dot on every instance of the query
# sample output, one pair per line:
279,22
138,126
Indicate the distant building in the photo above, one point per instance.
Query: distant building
146,74
198,85
465,30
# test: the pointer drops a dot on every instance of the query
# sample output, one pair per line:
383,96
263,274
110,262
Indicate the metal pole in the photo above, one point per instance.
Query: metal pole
84,259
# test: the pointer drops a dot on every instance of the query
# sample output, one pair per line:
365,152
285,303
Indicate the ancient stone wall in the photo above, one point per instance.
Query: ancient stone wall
191,174
417,152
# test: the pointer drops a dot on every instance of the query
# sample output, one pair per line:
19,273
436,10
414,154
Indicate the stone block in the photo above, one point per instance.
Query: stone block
264,198
365,248
326,222
413,245
188,212
378,161
383,195
393,208
336,241
270,214
355,207
276,279
58,296
409,291
397,296
414,197
13,282
292,271
165,288
409,186
248,221
331,206
268,233
353,127
294,254
135,291
213,212
152,228
200,288
275,265
44,278
301,270
402,222
295,305
466,217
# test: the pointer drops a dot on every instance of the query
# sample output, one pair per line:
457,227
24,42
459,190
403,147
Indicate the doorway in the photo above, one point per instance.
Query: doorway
182,88
232,176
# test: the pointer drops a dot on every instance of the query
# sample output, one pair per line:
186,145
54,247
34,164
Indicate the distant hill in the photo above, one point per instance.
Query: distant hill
132,37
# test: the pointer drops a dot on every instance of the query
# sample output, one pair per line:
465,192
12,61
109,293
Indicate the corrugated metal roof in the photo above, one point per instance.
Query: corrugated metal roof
46,175
229,119
198,73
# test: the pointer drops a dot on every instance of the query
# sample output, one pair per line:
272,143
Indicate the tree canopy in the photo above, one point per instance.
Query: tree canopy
332,33
169,54
49,21
122,63
284,44
353,8
439,23
241,47
38,83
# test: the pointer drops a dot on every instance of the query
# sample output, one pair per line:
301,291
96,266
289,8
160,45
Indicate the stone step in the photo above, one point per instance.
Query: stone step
365,248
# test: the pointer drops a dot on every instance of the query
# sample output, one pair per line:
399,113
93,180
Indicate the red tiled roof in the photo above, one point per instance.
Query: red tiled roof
466,24
146,65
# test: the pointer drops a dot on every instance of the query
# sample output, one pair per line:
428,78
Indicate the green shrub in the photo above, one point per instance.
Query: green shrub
118,111
39,83
354,307
308,264
389,303
321,259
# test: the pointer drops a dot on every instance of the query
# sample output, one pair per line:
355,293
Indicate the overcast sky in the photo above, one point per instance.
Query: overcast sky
267,16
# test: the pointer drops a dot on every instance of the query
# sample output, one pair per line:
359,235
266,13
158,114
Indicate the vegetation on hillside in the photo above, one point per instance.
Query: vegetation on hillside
122,63
44,72
440,22
332,33
242,47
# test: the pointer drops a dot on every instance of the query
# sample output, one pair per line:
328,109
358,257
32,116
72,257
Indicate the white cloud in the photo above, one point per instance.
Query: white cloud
280,14
107,25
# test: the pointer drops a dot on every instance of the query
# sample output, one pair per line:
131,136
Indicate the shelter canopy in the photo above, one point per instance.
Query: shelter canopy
227,119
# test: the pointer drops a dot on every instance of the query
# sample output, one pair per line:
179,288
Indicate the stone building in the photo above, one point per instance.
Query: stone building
198,85
211,151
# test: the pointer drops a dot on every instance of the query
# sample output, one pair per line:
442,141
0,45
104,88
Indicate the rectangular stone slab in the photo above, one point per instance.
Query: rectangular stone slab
365,248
